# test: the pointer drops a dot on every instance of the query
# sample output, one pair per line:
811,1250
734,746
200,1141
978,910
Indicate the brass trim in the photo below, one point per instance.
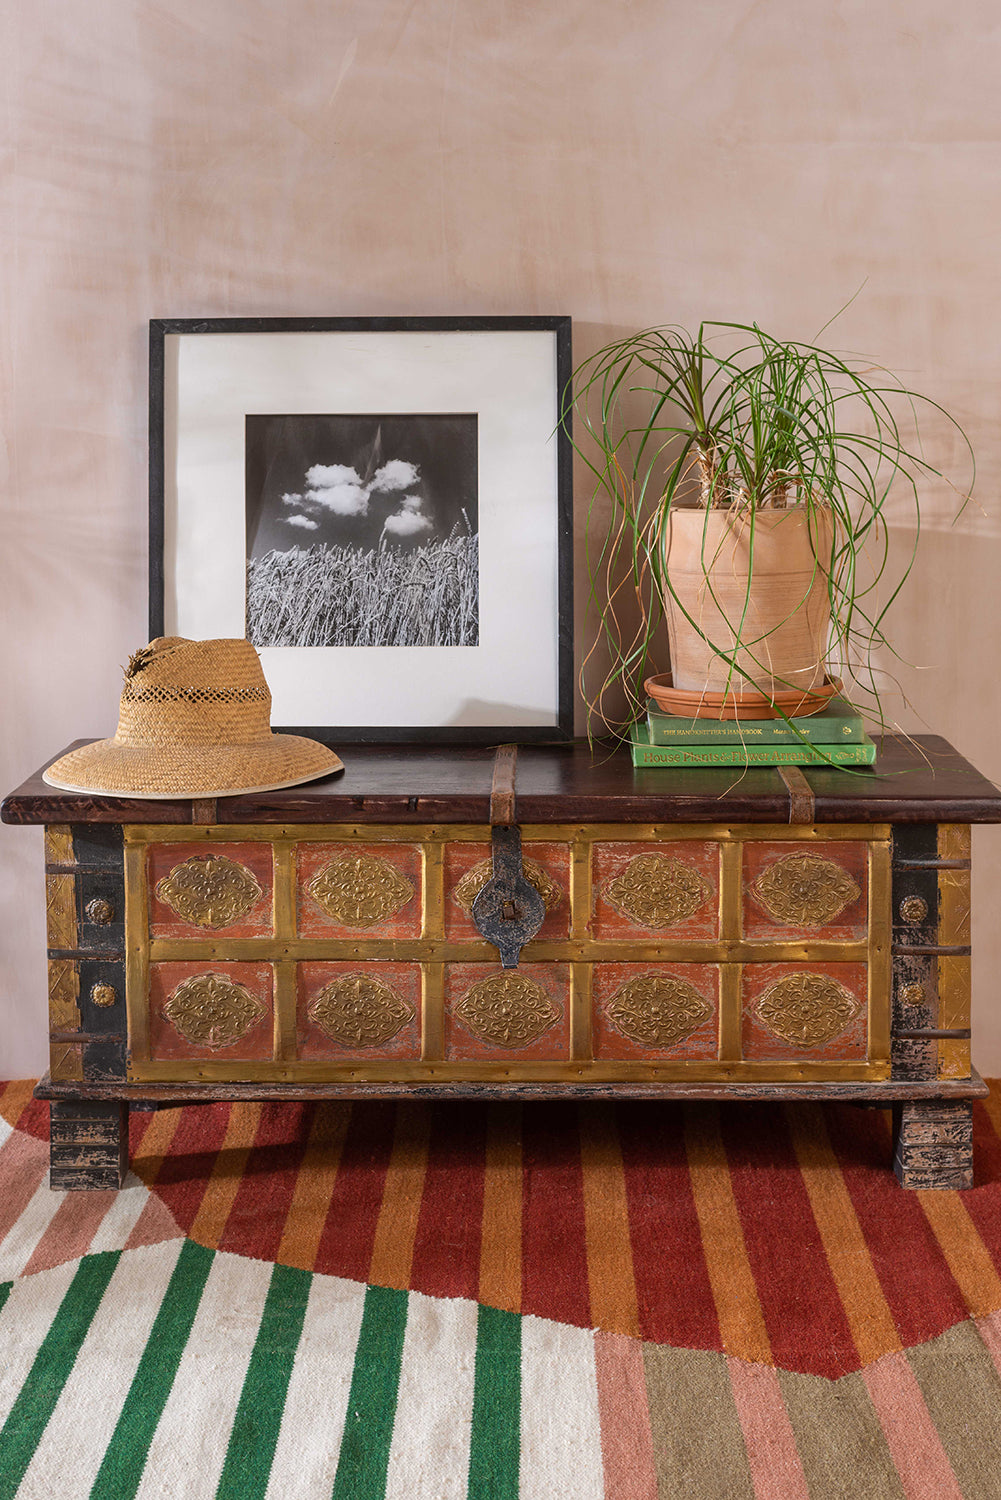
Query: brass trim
581,1012
284,874
64,995
954,930
285,1001
219,1070
880,958
581,888
60,911
137,955
731,1012
66,1062
433,892
59,844
954,990
417,950
418,833
432,1013
954,841
731,896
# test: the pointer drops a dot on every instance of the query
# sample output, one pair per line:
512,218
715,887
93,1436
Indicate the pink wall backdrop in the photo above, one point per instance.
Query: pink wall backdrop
628,164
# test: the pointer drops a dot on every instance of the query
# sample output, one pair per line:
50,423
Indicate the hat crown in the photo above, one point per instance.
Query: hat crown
204,693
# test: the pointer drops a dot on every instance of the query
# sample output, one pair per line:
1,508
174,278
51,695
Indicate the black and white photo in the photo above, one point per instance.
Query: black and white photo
362,530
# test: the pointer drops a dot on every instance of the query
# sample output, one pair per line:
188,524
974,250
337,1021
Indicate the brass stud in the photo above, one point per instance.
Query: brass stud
912,994
104,995
913,909
100,912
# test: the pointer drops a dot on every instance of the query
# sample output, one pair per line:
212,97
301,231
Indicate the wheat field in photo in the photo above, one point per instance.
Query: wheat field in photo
341,596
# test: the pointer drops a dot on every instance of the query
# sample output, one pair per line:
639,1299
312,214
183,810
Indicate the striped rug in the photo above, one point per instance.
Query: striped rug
435,1301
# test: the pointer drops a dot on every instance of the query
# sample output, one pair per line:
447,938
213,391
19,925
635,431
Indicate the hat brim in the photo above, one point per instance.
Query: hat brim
110,769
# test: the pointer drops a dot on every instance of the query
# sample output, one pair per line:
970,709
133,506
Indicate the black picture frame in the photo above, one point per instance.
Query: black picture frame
170,346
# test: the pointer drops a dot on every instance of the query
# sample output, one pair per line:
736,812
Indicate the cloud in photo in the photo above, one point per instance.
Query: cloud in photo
303,521
397,474
409,519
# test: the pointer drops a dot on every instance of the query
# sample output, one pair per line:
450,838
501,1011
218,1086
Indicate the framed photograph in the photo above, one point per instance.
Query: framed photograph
383,507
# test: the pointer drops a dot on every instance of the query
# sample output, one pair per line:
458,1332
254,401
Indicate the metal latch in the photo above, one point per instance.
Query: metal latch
508,911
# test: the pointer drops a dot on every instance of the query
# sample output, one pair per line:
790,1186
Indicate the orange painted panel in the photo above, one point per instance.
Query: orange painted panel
374,890
221,1012
167,859
794,1003
363,1010
635,1004
553,859
789,882
634,883
530,1002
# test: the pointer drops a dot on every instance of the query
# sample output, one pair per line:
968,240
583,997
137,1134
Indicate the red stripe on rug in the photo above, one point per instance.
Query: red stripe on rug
554,1261
446,1260
672,1283
256,1220
24,1161
71,1229
986,1145
915,1446
772,1455
807,1326
624,1417
21,1111
182,1176
345,1247
926,1300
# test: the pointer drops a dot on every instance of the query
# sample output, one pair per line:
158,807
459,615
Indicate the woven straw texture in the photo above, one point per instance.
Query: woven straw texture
194,721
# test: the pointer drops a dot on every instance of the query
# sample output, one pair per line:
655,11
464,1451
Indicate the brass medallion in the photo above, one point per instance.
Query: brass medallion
657,891
209,1010
359,890
913,910
359,1011
657,1010
805,890
507,1010
472,883
807,1010
103,995
100,912
210,890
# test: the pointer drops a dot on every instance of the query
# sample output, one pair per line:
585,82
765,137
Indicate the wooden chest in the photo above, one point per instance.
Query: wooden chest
319,941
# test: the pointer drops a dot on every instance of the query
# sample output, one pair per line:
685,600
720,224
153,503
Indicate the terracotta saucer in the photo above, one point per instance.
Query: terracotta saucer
794,703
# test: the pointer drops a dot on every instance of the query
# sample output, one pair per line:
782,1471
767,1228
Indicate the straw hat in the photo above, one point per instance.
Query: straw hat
195,721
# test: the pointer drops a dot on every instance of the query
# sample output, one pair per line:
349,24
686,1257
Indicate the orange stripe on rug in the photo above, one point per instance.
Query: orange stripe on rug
624,1417
500,1241
915,1446
611,1281
735,1292
15,1098
157,1138
209,1223
396,1228
868,1313
307,1212
772,1454
968,1258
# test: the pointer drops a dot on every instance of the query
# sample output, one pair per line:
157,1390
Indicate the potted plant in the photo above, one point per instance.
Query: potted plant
748,479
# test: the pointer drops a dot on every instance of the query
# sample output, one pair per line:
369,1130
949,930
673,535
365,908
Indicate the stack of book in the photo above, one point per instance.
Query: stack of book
835,736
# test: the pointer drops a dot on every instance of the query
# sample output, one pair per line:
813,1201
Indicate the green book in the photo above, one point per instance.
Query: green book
647,754
839,724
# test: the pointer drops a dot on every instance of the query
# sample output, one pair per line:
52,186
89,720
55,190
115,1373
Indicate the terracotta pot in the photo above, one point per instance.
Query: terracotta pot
785,609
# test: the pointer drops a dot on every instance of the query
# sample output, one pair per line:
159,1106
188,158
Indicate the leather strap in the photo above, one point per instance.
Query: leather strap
502,788
802,803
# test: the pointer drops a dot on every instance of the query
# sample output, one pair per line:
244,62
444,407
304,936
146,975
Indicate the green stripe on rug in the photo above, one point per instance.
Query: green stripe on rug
368,1429
495,1443
5,1289
36,1400
122,1465
258,1417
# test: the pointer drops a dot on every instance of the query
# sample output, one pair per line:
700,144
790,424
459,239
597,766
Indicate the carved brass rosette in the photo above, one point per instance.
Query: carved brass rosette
657,891
359,890
805,890
210,890
472,883
209,1010
507,1010
657,1010
356,1010
807,1010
